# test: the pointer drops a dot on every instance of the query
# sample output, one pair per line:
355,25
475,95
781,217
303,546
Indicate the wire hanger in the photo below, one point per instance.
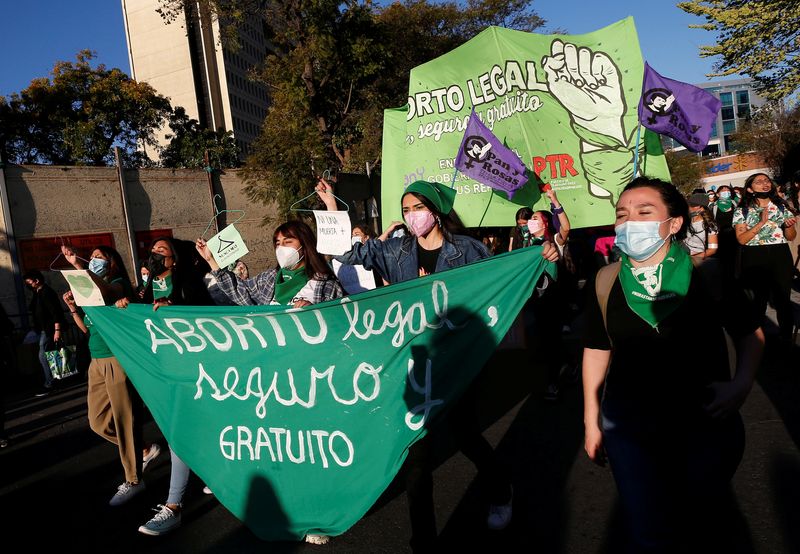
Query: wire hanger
62,254
218,213
324,173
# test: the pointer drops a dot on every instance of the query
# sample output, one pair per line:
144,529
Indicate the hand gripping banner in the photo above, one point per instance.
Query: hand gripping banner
298,419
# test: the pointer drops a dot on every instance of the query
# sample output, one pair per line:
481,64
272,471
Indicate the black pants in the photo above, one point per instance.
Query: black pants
767,273
462,423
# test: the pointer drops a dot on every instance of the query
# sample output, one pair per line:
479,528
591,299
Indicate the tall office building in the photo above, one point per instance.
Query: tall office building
185,61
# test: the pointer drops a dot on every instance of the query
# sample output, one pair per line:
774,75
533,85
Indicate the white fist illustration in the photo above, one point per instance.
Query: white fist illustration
589,87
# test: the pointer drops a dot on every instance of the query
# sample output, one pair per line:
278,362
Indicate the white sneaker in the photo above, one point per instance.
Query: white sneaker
152,454
317,539
499,515
125,492
163,522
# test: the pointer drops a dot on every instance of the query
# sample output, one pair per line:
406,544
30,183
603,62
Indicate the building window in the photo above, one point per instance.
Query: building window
728,127
713,130
727,113
742,97
743,111
726,98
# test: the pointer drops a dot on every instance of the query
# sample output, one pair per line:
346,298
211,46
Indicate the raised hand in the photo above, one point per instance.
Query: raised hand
588,85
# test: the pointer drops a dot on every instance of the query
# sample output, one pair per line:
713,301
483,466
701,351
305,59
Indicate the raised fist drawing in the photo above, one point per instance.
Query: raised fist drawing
588,85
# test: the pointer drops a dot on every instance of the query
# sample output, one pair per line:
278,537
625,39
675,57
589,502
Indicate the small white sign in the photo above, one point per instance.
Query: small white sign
333,232
354,278
227,246
84,289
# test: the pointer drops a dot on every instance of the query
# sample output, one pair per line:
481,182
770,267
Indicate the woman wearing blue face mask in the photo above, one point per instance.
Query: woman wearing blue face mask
113,405
663,407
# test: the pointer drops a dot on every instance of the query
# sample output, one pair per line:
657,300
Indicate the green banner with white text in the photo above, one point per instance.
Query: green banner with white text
566,104
298,419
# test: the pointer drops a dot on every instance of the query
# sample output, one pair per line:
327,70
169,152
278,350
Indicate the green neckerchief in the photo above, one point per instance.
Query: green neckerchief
288,282
654,292
725,204
162,288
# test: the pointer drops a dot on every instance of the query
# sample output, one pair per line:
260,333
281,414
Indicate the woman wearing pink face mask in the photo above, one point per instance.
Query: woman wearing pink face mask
434,246
535,227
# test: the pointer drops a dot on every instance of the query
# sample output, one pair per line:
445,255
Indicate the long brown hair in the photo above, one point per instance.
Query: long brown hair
315,263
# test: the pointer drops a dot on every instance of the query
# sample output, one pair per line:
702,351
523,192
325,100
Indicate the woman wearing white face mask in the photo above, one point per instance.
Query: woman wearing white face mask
301,278
663,408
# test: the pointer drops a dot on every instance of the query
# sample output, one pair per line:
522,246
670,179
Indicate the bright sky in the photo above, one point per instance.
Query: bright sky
37,33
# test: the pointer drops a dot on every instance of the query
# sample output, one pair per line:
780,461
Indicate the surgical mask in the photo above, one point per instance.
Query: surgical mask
144,279
534,226
640,239
355,239
98,266
155,264
724,194
420,222
287,256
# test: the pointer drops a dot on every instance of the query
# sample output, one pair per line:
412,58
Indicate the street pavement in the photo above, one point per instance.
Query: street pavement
57,476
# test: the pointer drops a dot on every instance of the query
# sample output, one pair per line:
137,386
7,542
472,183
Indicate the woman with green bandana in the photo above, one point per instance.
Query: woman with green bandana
658,402
722,211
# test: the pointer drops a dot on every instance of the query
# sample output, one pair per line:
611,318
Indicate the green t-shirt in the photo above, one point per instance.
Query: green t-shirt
97,346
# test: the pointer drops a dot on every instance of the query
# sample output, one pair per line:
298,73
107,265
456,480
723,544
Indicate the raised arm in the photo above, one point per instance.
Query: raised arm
558,211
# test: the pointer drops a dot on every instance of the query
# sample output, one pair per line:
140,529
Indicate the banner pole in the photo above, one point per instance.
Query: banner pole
453,181
491,195
636,150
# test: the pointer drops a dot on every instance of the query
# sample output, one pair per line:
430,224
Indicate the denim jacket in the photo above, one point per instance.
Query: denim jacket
396,259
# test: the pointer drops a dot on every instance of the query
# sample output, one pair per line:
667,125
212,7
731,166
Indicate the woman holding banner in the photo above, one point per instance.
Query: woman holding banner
666,416
113,405
435,246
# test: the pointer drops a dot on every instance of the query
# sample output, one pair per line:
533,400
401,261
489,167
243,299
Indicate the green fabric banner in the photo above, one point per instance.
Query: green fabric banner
566,104
298,419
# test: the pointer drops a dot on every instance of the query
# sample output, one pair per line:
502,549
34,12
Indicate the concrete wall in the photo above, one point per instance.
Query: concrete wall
49,202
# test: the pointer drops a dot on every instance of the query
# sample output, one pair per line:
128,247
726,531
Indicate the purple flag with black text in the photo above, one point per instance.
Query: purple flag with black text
679,110
484,158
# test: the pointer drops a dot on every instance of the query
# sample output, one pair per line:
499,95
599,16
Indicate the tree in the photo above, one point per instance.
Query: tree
79,114
760,39
685,169
334,67
189,142
775,134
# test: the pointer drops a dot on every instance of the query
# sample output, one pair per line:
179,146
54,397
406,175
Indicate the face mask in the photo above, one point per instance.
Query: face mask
524,231
355,239
420,222
639,239
155,264
534,226
145,278
695,214
287,256
98,266
762,195
724,194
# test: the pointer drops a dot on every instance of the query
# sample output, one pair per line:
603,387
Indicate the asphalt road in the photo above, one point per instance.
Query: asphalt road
56,478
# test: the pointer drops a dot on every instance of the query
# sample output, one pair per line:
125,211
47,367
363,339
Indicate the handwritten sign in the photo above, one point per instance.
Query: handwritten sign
83,288
227,246
333,232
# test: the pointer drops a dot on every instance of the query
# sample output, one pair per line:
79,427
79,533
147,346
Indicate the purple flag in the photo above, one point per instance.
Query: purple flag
484,158
679,110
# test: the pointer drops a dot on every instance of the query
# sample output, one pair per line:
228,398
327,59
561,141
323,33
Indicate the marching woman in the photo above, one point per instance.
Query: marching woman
434,246
660,404
764,226
113,405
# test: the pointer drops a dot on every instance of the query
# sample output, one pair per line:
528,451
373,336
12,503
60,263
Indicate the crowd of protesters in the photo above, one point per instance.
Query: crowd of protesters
665,418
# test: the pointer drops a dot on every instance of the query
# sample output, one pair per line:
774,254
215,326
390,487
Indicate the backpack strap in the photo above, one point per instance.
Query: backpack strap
603,283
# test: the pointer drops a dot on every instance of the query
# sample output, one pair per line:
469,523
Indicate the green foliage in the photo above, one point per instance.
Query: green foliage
79,114
775,134
757,38
685,170
334,67
189,142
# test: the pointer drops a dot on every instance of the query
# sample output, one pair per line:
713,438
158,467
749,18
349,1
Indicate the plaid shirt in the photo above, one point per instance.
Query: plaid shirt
260,290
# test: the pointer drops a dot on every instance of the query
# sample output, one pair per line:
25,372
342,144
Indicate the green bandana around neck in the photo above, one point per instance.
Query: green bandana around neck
654,292
725,204
162,288
288,283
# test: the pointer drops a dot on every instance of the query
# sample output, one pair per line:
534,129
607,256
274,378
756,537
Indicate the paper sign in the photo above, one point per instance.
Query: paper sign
354,278
333,232
83,288
227,246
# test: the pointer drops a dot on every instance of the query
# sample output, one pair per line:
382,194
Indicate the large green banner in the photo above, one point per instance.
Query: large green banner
298,419
566,104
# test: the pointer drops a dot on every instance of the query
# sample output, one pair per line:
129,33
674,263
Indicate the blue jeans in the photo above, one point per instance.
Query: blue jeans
669,475
48,375
178,479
